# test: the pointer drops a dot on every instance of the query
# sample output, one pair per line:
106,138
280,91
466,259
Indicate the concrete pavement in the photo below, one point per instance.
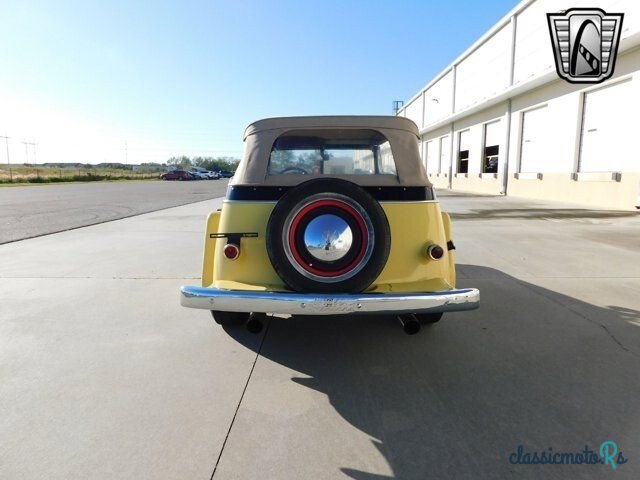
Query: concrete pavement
106,376
30,211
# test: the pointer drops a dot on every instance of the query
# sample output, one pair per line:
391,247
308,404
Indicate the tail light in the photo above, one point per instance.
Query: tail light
435,252
231,251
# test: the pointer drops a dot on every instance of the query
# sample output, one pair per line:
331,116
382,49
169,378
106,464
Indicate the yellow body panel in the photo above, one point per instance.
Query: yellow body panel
209,248
448,230
253,266
414,226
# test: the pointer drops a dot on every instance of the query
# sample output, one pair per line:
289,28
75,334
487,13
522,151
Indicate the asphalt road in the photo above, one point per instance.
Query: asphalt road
30,211
104,375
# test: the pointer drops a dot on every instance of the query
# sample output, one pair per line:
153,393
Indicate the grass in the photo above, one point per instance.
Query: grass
21,175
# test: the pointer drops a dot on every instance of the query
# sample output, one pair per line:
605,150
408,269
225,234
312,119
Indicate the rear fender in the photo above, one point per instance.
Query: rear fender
446,221
209,248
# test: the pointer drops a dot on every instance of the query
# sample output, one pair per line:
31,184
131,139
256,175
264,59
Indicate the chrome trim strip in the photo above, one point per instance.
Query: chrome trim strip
403,202
250,201
330,304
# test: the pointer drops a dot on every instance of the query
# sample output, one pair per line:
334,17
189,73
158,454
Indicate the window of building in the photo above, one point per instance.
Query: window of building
492,136
332,152
463,152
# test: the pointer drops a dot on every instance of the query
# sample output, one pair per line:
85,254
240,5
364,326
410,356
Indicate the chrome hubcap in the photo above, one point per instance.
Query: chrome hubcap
328,237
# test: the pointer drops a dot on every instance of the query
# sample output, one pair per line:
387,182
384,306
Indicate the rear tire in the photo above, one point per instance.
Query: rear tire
377,238
428,318
230,318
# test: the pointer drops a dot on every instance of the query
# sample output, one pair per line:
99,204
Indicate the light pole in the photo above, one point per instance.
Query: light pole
6,139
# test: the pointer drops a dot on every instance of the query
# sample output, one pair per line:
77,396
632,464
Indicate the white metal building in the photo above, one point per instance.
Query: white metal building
498,119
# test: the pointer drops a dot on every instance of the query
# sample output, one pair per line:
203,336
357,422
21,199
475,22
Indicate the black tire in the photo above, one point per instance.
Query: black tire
230,318
367,209
428,318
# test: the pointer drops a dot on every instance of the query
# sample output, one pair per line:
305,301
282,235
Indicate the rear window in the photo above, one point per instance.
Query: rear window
332,152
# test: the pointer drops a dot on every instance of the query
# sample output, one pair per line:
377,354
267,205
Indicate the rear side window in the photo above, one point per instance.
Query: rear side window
332,152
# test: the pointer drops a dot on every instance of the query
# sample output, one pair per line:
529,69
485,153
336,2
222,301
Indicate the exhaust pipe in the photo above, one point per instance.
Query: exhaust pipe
255,322
410,323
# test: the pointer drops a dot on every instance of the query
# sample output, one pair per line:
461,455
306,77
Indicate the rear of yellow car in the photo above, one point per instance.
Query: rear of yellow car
328,216
415,226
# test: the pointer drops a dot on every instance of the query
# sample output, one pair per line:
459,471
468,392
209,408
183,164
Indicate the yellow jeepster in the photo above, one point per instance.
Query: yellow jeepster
329,216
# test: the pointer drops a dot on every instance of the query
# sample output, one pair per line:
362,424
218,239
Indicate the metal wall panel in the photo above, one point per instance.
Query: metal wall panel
438,99
413,111
485,72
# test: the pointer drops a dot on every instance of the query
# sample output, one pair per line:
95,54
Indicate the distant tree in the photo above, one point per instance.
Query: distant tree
209,163
281,159
182,162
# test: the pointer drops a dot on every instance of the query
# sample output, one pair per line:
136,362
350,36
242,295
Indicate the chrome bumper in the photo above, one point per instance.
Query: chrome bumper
328,304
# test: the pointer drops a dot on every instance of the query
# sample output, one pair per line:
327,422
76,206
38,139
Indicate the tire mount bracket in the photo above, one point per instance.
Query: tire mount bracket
234,238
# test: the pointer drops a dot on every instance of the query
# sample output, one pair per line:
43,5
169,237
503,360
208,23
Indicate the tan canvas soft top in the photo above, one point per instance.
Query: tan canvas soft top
401,133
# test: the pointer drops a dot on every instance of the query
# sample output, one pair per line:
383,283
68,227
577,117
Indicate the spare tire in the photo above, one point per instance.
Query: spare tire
328,235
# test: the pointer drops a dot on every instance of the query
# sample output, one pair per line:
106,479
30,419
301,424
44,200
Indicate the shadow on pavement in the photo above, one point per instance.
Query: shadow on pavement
532,367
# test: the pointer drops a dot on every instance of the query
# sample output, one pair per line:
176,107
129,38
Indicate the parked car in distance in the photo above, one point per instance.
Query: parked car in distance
225,174
330,216
176,175
204,174
198,175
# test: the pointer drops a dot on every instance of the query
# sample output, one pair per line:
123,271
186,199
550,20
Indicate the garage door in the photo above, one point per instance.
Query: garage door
432,156
605,141
464,145
493,134
444,155
534,131
465,141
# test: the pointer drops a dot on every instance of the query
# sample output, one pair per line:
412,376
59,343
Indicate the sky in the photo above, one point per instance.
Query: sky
136,81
